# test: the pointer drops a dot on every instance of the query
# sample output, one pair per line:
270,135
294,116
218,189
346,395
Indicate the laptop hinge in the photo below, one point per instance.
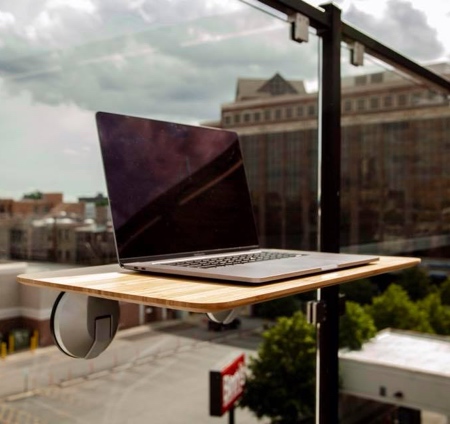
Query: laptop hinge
186,255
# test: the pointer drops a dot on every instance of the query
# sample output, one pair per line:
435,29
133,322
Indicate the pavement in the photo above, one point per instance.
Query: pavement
30,370
152,373
155,373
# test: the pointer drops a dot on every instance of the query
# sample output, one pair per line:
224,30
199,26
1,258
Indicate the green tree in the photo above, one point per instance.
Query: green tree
360,291
395,309
34,195
281,384
444,291
438,314
415,282
355,327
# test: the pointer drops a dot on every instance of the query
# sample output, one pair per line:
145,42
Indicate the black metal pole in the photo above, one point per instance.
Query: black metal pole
231,415
327,401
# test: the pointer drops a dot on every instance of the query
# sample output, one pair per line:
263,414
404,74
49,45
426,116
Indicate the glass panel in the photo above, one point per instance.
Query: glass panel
220,64
394,155
395,198
150,63
276,118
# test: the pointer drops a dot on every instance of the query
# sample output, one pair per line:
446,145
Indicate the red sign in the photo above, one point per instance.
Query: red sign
226,385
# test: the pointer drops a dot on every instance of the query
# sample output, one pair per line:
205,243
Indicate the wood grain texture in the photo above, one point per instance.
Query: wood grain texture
196,295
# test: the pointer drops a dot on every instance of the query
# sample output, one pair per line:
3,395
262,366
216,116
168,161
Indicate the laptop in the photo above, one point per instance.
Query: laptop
180,205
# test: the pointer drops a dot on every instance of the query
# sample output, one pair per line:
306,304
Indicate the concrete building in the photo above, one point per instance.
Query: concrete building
398,368
22,307
29,309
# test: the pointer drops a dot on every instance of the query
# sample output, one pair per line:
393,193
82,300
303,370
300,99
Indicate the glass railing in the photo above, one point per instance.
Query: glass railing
230,65
224,65
394,176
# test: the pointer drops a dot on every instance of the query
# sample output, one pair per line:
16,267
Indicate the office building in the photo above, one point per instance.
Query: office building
395,187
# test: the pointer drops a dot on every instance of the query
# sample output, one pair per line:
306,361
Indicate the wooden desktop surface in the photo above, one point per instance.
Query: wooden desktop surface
196,295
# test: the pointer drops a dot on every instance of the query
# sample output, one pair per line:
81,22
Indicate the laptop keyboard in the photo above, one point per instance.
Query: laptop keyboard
233,260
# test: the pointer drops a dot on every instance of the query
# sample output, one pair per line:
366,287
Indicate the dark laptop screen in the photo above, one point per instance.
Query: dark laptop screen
174,188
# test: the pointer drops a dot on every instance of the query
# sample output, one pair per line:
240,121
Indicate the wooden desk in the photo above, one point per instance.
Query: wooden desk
195,295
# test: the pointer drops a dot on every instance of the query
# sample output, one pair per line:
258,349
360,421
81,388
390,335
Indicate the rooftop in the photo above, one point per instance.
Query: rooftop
406,350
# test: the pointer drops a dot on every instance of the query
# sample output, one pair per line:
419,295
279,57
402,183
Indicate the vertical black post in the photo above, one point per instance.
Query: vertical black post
327,403
231,415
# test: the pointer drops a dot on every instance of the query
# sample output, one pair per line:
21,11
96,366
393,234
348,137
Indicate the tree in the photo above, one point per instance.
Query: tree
281,384
34,195
395,309
444,291
360,291
355,327
415,282
438,314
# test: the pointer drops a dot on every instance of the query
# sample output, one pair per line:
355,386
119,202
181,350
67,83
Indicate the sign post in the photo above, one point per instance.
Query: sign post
226,385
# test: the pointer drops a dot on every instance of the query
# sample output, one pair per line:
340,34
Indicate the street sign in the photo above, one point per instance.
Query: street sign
226,384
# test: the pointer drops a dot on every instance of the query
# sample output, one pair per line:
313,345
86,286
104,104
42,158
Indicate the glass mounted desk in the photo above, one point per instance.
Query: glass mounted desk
195,295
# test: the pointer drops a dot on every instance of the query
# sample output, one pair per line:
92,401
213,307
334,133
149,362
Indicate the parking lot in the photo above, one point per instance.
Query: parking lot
164,381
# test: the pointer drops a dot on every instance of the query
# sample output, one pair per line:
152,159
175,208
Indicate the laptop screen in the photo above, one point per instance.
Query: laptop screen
174,189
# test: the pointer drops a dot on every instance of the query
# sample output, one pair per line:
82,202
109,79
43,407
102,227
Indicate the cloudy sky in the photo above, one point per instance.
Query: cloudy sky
62,60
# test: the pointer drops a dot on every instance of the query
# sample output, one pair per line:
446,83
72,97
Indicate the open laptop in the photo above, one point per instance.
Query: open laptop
180,205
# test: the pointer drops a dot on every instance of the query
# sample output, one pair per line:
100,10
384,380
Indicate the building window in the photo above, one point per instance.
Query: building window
277,114
311,110
416,98
347,106
402,100
361,105
376,78
246,117
257,116
289,113
237,118
227,120
300,111
267,115
387,101
374,103
361,80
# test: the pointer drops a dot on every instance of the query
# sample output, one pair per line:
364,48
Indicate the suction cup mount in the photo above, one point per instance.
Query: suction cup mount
83,326
223,317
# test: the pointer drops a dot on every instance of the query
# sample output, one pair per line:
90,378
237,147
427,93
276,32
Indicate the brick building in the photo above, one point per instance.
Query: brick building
44,233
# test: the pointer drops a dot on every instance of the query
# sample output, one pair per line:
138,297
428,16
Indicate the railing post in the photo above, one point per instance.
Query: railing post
327,400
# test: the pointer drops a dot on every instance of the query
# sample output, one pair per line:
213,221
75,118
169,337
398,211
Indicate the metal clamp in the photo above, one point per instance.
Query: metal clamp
299,27
316,310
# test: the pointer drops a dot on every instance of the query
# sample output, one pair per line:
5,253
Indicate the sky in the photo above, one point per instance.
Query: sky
63,60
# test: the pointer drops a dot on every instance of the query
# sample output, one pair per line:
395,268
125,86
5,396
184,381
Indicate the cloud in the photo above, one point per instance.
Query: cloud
401,27
186,70
60,63
6,20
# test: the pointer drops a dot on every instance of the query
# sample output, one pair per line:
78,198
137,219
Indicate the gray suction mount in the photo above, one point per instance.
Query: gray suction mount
83,326
223,317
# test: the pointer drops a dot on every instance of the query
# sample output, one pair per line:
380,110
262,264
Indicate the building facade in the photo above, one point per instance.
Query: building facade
395,150
44,233
45,228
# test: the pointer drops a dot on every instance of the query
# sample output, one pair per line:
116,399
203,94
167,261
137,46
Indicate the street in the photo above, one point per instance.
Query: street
146,375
